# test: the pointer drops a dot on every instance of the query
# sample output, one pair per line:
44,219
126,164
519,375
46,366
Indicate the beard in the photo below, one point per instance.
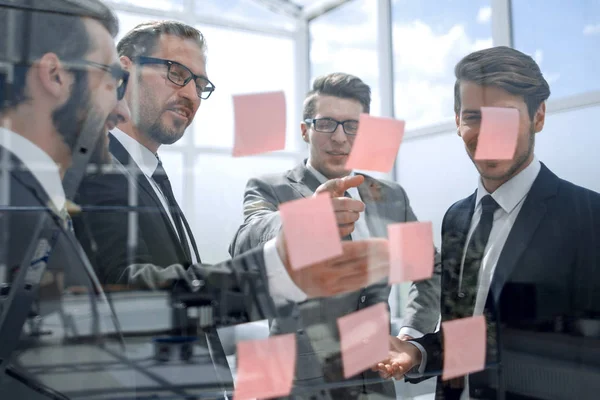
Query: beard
160,134
517,163
77,119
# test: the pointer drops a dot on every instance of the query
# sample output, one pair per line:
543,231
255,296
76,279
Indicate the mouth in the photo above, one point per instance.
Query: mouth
337,153
182,111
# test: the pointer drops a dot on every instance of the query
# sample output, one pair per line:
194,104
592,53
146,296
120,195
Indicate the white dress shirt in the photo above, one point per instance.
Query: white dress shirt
279,281
510,197
42,167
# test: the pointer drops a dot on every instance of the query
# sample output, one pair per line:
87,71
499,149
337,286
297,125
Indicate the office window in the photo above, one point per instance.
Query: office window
564,38
166,5
429,38
345,40
240,62
246,11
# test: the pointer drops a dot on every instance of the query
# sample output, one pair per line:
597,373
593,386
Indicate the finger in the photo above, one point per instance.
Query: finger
348,182
346,230
347,204
346,217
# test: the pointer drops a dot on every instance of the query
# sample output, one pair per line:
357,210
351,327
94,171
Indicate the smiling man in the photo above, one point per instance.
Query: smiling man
363,207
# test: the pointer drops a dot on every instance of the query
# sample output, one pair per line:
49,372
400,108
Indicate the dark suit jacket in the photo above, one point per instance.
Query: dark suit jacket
316,320
28,204
158,257
549,269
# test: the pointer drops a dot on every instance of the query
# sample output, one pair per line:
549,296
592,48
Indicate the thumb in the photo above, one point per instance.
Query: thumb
337,187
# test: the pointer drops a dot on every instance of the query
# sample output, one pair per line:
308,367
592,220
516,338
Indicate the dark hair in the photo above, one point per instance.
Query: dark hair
337,84
142,40
38,27
506,68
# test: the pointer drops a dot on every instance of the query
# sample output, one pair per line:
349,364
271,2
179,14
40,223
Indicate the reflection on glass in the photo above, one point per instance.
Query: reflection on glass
252,11
166,5
578,36
429,38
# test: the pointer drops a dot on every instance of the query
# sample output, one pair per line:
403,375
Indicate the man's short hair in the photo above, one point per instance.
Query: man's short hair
44,26
506,68
143,39
337,84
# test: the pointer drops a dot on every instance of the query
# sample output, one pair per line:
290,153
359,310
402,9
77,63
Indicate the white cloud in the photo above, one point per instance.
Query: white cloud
484,15
591,29
538,56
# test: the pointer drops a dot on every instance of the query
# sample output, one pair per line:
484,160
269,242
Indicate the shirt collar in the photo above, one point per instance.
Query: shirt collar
144,158
320,177
510,194
38,162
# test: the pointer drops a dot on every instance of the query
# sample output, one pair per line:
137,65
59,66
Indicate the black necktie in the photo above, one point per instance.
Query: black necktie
465,304
161,178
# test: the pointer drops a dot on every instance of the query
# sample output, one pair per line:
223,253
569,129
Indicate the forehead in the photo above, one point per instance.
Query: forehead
102,44
338,106
474,95
184,51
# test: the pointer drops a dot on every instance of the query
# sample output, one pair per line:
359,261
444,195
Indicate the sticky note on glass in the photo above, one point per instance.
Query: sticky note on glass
364,338
411,251
376,144
311,230
498,133
464,346
259,123
265,367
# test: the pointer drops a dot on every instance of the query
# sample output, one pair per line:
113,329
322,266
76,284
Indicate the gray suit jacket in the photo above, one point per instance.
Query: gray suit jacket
315,320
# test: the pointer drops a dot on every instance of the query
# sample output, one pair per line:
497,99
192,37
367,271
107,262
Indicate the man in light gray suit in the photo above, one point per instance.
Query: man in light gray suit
364,206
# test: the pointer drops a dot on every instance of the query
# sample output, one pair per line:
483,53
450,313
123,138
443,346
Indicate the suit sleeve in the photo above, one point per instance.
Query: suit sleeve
103,231
262,221
423,308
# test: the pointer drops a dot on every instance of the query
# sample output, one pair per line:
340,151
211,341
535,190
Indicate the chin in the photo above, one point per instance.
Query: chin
494,169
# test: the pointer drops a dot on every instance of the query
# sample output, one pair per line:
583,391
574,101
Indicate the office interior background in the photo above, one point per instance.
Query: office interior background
406,51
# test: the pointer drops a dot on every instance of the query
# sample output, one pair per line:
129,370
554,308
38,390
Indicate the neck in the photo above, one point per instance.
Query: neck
491,185
38,128
139,136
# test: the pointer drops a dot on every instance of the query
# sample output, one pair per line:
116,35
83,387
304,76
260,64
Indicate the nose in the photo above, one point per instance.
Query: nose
119,114
339,135
190,92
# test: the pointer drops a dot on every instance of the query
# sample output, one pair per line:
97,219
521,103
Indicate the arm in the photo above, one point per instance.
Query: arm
423,307
262,221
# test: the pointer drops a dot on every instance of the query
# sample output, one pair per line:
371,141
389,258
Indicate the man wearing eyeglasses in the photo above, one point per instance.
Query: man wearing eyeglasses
60,88
363,207
151,245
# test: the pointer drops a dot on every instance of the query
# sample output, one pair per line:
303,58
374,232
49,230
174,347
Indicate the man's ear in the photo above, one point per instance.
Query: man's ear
126,62
539,118
304,130
457,121
53,76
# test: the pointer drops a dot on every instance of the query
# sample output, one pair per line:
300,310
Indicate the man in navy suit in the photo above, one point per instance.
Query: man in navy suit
523,250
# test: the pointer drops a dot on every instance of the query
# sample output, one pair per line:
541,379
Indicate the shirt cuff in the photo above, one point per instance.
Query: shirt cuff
412,332
421,370
280,283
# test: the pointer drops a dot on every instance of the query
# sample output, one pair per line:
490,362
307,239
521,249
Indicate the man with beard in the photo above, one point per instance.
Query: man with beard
523,250
60,84
167,62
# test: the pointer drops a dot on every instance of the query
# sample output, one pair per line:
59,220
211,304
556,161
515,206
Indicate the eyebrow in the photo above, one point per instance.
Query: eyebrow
472,112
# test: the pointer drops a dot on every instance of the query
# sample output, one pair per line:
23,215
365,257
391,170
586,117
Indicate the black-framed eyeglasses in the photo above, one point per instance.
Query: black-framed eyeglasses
117,72
181,75
329,125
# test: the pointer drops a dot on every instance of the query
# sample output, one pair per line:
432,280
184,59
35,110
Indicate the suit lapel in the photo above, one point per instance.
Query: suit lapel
303,181
534,208
121,154
455,230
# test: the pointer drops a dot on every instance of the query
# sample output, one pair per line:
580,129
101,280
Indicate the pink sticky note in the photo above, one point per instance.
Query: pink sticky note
311,230
364,338
464,346
376,144
411,251
259,123
265,367
498,133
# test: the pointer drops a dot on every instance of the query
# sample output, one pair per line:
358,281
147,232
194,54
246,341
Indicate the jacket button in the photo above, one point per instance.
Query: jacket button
363,298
